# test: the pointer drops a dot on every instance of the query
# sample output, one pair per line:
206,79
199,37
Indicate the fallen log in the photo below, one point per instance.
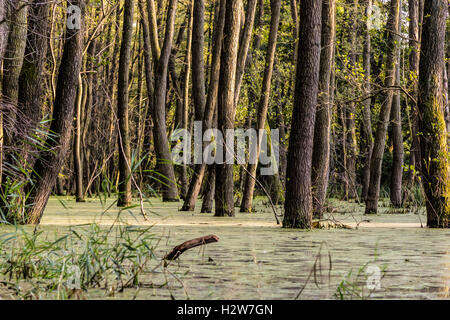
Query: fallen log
178,250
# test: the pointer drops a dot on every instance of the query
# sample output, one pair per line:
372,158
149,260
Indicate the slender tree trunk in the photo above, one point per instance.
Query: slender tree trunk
225,105
124,145
383,119
210,107
350,114
298,202
49,164
433,140
321,149
263,106
244,44
164,158
397,139
367,113
78,163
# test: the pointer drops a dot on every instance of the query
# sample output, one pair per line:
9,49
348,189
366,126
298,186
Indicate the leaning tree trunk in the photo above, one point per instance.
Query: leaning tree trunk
433,140
321,149
225,105
48,165
124,147
298,202
263,106
383,119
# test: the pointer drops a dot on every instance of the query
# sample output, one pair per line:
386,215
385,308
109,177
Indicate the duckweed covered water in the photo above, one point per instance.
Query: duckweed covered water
256,259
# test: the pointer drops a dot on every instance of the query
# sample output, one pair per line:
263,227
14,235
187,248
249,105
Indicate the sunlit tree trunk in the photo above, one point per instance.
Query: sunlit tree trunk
433,138
321,149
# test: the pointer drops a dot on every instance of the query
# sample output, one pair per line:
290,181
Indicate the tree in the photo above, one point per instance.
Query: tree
122,107
385,111
209,111
263,105
298,200
161,61
225,106
49,163
322,127
367,114
397,139
433,132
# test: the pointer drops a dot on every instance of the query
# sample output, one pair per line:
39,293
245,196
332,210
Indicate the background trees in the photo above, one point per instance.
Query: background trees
341,86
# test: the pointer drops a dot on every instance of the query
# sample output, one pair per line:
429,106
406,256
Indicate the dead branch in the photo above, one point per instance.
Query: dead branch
178,250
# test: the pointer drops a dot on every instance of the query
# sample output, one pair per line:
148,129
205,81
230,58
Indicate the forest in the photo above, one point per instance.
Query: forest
131,126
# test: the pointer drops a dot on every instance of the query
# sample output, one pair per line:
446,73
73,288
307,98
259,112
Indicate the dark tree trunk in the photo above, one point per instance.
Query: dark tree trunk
433,140
48,166
225,105
383,119
124,146
397,139
298,200
321,149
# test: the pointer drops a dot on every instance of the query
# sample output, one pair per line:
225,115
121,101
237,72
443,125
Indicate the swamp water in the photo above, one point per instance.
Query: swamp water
256,259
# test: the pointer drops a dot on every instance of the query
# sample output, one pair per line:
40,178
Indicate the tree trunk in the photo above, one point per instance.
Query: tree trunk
383,119
321,149
244,44
225,105
433,140
263,106
350,112
367,114
397,139
78,164
49,164
124,146
210,110
298,202
164,158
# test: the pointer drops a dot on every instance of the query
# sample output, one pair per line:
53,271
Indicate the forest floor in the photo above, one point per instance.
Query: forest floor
256,259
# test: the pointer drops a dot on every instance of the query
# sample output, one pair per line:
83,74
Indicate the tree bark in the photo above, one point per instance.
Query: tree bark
397,139
321,149
383,119
124,145
49,164
433,138
225,105
298,202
